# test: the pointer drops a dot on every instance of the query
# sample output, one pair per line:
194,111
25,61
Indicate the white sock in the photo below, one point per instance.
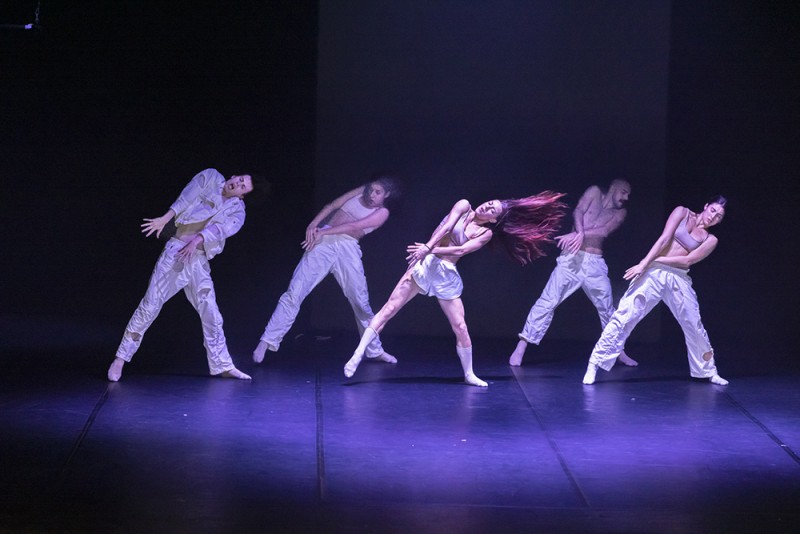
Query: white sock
465,355
383,357
591,373
718,380
352,364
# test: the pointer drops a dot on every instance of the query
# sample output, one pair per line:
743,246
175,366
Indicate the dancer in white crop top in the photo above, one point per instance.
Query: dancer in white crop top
523,226
663,275
331,247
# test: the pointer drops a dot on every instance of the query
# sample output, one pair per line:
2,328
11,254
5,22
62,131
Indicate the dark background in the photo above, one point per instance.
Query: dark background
110,108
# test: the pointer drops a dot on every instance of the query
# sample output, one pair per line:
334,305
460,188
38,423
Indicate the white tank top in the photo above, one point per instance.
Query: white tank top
356,210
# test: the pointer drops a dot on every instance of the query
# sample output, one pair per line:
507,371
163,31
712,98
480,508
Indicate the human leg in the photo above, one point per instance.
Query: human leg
454,311
348,271
682,302
168,277
563,282
642,295
200,293
312,268
404,291
597,287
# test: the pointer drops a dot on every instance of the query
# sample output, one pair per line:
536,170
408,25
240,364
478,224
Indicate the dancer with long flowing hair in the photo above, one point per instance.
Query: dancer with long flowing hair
523,226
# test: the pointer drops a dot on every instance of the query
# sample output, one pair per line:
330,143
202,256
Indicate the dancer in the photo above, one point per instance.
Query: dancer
209,210
522,225
333,249
580,265
663,275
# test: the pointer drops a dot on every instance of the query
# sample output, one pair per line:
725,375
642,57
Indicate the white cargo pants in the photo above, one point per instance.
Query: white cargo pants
339,255
170,275
579,270
673,286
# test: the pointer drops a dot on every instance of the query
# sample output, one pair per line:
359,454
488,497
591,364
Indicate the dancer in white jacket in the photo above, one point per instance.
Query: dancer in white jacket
580,265
663,275
331,247
522,225
209,210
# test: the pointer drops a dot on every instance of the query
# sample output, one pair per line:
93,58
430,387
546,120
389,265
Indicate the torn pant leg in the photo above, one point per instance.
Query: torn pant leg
310,271
200,293
169,276
348,270
642,295
681,300
563,282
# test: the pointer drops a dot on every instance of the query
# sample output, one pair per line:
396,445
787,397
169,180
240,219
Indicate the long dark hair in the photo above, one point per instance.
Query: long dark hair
527,224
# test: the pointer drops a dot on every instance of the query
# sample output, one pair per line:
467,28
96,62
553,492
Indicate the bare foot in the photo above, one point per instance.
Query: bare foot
718,380
384,357
115,370
591,373
516,356
261,349
473,380
235,373
627,360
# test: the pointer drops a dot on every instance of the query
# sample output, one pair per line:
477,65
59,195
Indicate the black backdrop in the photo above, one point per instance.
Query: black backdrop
111,108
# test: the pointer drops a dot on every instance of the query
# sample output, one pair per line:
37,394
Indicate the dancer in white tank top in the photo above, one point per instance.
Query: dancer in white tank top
331,247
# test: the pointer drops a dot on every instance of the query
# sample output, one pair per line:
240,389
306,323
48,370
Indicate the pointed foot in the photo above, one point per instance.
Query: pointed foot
591,374
115,370
351,366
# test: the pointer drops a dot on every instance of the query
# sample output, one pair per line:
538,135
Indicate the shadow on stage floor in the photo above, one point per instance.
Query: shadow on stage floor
397,448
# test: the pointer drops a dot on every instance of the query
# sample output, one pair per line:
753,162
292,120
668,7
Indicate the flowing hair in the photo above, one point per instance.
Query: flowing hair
527,224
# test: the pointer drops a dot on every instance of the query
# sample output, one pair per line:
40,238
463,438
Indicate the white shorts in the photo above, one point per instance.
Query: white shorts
438,278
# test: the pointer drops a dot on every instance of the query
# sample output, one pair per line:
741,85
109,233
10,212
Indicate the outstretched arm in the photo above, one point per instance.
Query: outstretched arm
157,225
660,244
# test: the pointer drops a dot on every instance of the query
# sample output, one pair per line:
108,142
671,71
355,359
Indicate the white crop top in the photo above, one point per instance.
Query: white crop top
356,210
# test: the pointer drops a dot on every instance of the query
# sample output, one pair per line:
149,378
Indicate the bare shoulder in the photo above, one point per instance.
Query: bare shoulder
592,194
593,191
462,205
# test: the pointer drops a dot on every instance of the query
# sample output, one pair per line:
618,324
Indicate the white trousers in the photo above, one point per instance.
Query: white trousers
339,255
170,275
674,287
579,270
